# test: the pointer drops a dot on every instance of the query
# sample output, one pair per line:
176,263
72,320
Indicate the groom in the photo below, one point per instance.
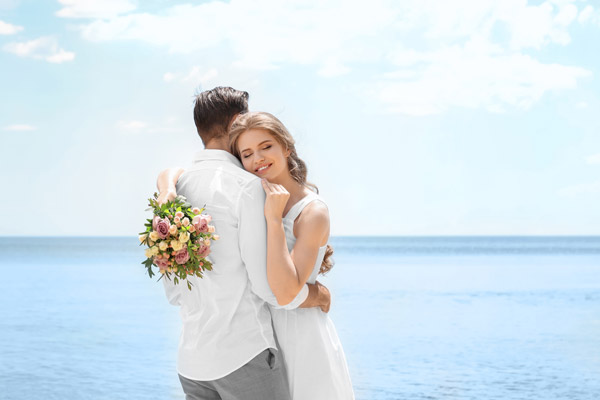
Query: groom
227,348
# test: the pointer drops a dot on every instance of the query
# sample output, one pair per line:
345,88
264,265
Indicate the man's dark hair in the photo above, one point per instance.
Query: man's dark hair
214,110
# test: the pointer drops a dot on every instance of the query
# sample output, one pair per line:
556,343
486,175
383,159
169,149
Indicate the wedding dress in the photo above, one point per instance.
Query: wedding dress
313,355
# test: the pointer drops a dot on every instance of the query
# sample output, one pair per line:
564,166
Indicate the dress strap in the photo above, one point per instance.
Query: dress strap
299,206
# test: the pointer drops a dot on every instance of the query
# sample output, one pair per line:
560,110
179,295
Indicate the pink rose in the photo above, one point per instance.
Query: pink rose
182,256
155,221
200,222
161,226
203,250
161,262
179,214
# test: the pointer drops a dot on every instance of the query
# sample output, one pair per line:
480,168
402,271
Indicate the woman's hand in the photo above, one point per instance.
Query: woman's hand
166,196
166,182
277,198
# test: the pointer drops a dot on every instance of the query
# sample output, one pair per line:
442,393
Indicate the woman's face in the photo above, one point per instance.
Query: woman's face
262,155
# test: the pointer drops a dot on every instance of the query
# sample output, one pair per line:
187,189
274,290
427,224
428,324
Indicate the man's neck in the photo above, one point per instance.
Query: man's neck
218,144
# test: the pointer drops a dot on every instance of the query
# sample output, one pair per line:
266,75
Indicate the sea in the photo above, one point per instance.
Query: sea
479,318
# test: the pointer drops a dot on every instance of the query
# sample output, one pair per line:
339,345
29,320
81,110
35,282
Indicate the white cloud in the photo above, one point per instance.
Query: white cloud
20,127
593,159
478,75
262,34
580,189
44,48
332,67
94,8
169,77
131,126
196,76
587,15
467,54
9,29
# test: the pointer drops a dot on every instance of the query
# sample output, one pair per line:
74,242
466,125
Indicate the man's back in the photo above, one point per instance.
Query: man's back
225,322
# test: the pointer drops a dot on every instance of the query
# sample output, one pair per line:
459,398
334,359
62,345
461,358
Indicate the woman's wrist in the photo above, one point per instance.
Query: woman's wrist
274,221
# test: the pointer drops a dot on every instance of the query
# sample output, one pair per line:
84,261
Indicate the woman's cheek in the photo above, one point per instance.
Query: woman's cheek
247,163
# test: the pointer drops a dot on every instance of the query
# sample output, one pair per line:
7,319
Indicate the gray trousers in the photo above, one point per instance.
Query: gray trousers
262,378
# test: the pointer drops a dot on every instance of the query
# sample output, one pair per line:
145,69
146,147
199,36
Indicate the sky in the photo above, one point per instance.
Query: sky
415,117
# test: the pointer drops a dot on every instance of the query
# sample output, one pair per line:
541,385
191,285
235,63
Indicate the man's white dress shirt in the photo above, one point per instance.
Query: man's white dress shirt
226,321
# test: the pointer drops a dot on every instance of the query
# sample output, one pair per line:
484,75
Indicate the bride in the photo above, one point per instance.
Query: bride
297,251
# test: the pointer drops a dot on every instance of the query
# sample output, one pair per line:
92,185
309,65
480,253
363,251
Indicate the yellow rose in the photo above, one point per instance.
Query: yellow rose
184,237
211,229
176,245
173,230
148,253
216,237
163,245
143,237
206,242
154,250
154,236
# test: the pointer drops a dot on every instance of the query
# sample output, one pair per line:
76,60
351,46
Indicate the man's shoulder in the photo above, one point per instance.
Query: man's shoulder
226,171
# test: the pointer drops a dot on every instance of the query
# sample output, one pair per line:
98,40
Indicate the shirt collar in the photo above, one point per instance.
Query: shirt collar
214,154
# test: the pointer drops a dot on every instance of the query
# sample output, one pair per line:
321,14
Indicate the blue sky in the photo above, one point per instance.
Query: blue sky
414,117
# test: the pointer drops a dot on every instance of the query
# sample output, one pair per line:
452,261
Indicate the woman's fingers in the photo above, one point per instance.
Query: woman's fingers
267,186
272,189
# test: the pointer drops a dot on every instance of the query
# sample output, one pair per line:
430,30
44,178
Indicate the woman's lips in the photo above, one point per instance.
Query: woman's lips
262,168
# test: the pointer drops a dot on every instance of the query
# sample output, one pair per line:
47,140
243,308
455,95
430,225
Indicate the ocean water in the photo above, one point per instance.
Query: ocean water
420,318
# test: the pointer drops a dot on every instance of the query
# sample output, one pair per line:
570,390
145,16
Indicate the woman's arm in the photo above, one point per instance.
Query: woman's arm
166,182
288,272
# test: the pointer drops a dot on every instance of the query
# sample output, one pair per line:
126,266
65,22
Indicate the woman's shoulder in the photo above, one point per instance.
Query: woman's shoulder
315,214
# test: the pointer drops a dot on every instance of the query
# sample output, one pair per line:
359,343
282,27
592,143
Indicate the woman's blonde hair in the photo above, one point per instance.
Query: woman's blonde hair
296,166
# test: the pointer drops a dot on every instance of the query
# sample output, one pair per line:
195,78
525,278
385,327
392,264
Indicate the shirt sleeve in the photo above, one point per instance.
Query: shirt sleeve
253,244
298,300
253,239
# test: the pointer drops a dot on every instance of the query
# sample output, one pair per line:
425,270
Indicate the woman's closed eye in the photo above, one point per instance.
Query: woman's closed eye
247,155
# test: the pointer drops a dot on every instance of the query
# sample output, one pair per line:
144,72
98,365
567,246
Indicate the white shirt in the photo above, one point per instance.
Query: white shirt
226,321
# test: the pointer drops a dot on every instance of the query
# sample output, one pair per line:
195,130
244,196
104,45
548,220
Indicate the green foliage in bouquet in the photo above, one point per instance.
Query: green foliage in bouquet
178,239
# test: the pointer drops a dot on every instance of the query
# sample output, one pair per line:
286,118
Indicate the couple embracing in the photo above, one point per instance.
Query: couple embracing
256,327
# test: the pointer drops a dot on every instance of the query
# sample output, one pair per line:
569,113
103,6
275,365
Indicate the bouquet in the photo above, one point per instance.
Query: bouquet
178,239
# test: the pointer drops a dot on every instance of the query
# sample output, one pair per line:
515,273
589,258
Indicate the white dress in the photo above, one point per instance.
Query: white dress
313,355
